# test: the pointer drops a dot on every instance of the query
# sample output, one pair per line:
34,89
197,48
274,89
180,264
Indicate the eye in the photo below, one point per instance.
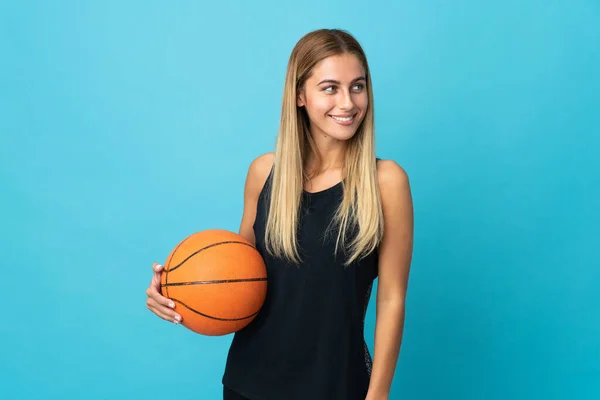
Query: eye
358,87
329,89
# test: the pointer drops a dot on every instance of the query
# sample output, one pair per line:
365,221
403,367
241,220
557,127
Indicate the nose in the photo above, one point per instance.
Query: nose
345,101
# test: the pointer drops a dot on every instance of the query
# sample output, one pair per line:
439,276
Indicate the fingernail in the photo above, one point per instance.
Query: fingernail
177,318
172,305
158,266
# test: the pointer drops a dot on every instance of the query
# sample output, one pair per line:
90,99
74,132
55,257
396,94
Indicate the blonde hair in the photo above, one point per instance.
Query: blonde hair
361,210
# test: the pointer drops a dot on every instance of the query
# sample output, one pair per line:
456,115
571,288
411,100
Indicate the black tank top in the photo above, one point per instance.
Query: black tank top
307,341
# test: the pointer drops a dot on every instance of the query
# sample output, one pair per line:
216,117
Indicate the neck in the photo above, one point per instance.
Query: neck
329,155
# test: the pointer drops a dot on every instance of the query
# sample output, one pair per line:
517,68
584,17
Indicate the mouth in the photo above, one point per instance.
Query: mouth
344,120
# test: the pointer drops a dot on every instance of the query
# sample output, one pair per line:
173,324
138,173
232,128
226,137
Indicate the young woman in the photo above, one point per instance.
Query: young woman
328,217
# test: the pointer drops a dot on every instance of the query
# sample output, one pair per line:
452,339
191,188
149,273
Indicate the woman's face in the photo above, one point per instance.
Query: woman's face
335,97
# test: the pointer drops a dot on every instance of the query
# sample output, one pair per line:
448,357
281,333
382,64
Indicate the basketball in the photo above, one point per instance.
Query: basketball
217,280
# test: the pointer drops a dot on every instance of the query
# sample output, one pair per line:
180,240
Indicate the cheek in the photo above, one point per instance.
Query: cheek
362,102
318,106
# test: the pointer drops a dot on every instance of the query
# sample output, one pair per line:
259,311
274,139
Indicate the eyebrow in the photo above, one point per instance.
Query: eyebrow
360,78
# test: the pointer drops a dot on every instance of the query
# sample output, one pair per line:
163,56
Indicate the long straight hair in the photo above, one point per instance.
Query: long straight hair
360,211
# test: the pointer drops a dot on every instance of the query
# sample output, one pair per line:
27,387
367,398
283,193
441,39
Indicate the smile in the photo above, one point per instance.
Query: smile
344,120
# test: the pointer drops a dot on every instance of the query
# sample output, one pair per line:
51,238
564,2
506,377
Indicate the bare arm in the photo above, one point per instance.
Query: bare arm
257,176
255,180
394,264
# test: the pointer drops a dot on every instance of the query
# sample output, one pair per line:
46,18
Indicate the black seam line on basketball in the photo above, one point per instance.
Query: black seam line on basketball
208,247
213,282
169,262
210,316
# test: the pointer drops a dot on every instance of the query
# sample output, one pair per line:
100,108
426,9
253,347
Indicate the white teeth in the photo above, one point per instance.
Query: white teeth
342,119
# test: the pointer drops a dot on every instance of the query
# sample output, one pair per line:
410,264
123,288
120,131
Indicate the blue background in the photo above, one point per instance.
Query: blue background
127,125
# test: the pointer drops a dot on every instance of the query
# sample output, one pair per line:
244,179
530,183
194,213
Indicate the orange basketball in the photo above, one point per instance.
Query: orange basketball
217,280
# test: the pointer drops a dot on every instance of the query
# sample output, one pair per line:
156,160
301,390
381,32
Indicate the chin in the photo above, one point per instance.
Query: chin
344,135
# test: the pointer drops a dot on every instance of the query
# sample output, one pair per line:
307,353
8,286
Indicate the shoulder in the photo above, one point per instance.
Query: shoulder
394,189
392,176
261,165
397,205
259,170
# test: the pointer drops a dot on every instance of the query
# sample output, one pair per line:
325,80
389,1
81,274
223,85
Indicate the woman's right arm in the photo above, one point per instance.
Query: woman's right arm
255,180
258,173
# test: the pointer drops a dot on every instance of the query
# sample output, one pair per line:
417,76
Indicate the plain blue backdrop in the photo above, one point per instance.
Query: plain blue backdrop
127,125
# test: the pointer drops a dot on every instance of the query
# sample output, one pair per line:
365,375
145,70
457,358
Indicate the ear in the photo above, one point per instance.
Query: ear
301,101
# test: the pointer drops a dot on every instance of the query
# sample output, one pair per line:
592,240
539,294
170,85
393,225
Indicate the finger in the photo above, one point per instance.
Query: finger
158,298
166,317
158,308
156,267
163,312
